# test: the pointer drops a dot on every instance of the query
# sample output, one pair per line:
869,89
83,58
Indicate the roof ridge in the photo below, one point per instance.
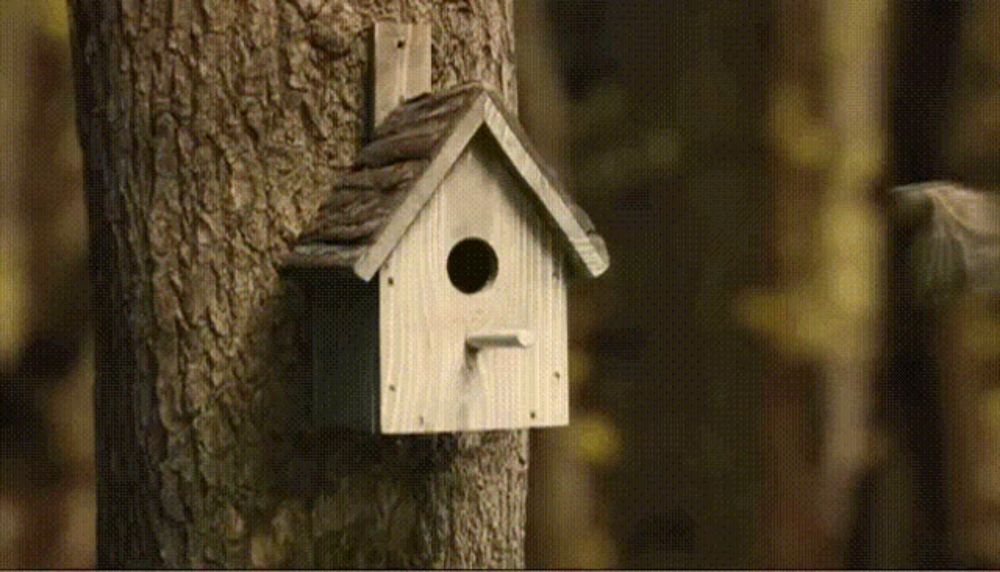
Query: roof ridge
399,170
427,104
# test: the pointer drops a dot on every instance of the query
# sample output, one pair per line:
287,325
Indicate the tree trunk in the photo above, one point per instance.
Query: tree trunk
964,344
210,131
666,106
912,512
564,528
820,312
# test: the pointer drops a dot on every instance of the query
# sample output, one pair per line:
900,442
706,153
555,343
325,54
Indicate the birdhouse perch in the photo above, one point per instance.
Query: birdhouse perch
436,268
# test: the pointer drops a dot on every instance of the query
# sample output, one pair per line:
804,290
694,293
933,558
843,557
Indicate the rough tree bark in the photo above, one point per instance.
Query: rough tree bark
210,130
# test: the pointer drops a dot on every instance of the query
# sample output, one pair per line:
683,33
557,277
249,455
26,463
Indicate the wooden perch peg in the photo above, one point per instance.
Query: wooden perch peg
500,339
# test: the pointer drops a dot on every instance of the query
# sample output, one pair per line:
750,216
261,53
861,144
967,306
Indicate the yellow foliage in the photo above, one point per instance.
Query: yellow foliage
596,550
851,275
981,335
791,320
828,306
799,136
991,411
831,313
12,298
70,413
55,19
598,441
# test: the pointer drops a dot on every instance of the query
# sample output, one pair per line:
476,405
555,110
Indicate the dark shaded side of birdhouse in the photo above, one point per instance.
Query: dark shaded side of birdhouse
344,334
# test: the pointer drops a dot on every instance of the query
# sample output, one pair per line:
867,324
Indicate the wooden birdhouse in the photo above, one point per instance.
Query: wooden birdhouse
436,274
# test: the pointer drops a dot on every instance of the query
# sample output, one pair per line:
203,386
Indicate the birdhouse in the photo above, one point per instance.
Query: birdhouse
436,273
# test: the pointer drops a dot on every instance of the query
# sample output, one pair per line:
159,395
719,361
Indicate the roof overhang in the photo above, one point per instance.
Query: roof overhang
488,114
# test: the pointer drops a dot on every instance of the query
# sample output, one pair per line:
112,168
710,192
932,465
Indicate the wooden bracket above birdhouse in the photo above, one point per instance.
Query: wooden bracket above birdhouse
468,232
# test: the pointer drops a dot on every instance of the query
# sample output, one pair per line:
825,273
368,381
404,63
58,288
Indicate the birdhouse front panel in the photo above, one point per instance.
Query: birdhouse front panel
473,323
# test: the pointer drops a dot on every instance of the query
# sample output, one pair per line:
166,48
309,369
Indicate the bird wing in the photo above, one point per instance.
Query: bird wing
972,220
955,244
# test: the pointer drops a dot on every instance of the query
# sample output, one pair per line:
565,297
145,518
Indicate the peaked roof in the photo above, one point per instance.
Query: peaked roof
371,207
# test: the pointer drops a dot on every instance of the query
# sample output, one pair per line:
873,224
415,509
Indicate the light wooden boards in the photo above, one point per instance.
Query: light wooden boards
485,111
431,381
401,65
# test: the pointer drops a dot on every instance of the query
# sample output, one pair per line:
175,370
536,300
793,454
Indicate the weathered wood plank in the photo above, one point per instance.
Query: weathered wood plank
514,142
431,381
419,193
413,150
401,65
504,338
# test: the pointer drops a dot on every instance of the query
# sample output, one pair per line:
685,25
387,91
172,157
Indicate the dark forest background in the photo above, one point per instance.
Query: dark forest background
749,387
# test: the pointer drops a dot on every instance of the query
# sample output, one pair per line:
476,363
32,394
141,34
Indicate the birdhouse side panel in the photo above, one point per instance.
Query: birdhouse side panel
473,320
344,316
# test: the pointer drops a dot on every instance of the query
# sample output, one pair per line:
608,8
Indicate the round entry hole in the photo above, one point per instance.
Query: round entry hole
472,265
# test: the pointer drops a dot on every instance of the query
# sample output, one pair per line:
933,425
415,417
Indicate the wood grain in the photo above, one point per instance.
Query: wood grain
418,195
413,149
588,246
431,382
401,65
500,338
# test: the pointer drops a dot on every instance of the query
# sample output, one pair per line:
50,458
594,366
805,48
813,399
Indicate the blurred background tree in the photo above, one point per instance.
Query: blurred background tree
749,387
666,105
47,508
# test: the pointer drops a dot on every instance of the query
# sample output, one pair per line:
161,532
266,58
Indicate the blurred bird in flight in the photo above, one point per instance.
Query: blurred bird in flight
954,241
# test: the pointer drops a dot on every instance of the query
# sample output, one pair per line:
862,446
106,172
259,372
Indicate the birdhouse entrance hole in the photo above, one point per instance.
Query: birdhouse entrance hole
472,265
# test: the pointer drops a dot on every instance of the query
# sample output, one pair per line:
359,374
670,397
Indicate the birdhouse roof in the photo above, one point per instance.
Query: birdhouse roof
370,208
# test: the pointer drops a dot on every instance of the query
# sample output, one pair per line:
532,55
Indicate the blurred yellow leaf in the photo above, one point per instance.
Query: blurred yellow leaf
991,409
786,319
55,20
598,441
11,306
981,336
596,551
69,410
11,530
804,139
